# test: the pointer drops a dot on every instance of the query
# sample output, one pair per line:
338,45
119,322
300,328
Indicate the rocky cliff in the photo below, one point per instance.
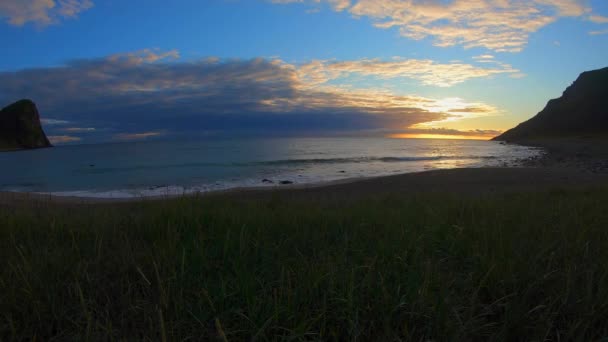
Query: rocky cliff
582,110
20,127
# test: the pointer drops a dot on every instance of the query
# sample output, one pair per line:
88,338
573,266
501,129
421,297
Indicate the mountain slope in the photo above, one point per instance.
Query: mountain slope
20,127
582,109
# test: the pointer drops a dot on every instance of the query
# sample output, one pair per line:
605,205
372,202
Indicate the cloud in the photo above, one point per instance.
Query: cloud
518,75
446,132
46,121
338,5
79,129
498,25
62,139
145,56
41,12
136,136
426,71
599,32
130,95
484,58
598,19
474,132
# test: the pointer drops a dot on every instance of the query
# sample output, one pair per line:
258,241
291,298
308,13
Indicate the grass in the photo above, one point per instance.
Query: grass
528,266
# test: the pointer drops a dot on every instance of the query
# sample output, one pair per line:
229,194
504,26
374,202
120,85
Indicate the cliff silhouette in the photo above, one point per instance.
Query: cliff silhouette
581,110
20,127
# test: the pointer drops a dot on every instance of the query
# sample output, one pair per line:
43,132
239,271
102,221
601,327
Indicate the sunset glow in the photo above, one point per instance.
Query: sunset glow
439,136
454,69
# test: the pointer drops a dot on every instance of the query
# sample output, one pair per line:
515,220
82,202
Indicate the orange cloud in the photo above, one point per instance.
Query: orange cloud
427,71
499,25
445,133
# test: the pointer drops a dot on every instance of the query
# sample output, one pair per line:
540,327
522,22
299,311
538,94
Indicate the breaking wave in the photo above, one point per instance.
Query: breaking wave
367,160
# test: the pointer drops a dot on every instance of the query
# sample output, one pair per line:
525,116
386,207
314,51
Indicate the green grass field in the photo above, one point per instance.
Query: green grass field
410,267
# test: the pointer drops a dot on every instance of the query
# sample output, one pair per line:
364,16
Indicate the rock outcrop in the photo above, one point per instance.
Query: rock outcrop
582,110
20,127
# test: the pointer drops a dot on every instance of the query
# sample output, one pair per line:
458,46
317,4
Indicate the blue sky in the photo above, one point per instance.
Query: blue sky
117,70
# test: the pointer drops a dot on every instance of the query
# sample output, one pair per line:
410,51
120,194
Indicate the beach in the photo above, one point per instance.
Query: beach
469,181
545,173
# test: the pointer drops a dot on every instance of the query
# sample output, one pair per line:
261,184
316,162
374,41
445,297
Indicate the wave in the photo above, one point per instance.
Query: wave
159,190
142,191
280,162
366,160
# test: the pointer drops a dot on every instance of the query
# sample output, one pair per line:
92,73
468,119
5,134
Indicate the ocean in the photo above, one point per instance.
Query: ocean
153,168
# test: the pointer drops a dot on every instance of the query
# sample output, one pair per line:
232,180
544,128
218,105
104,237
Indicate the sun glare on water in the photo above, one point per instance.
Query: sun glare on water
437,136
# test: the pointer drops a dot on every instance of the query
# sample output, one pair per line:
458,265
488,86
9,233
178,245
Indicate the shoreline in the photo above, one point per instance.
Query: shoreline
20,195
571,162
460,181
589,154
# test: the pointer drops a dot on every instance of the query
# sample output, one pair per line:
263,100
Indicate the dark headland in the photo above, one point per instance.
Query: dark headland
573,129
581,112
20,127
488,254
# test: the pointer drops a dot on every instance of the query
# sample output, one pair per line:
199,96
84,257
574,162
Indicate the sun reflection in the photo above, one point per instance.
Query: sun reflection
438,136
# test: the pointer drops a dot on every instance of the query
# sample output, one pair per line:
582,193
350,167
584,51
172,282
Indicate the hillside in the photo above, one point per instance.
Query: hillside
582,110
20,127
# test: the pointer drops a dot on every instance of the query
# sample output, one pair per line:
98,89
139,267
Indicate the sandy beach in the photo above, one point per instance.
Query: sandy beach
470,181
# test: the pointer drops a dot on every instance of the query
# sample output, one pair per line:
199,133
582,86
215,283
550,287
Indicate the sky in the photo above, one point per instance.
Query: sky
115,70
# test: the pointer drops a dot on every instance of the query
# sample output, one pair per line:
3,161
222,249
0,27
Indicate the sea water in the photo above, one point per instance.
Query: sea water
153,168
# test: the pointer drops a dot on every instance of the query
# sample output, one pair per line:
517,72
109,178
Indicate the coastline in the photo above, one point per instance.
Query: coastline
586,153
566,163
460,181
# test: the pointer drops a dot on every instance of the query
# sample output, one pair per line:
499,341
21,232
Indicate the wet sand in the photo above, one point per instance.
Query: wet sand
466,181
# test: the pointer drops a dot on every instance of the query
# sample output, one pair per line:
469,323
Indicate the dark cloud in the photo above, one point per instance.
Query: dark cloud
447,131
126,94
469,110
